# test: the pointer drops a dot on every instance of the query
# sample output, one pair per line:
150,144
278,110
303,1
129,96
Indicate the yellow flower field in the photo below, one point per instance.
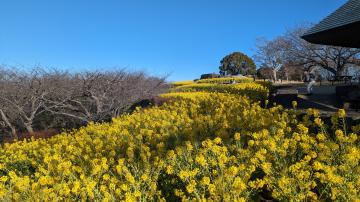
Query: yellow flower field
181,83
254,91
210,142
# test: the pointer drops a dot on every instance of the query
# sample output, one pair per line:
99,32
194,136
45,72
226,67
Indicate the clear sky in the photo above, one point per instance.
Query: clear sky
183,38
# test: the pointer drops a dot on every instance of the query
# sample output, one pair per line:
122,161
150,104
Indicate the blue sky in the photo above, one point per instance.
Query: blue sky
183,38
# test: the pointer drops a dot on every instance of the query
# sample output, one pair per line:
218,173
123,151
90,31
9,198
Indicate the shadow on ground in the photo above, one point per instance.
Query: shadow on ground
323,98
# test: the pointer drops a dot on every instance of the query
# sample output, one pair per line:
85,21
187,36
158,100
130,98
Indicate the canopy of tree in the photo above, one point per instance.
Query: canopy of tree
237,63
264,73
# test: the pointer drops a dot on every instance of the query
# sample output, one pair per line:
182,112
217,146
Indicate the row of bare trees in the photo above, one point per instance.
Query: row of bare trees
290,50
288,72
29,96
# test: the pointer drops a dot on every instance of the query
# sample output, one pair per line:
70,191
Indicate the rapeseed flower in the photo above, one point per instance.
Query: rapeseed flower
210,142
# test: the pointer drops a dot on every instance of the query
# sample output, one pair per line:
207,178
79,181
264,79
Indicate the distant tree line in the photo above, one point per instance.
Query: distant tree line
288,55
41,99
288,72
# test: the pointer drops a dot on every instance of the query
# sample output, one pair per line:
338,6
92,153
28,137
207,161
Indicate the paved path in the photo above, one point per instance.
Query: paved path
323,98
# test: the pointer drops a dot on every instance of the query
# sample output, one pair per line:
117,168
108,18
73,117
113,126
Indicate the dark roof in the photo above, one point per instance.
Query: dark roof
341,28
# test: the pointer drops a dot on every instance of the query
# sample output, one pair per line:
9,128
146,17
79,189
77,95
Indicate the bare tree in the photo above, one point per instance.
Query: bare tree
98,96
334,59
291,71
22,94
284,72
271,54
8,118
27,97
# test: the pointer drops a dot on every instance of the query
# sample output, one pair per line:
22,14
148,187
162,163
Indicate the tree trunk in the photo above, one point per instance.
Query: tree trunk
340,72
29,128
274,74
14,133
12,128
